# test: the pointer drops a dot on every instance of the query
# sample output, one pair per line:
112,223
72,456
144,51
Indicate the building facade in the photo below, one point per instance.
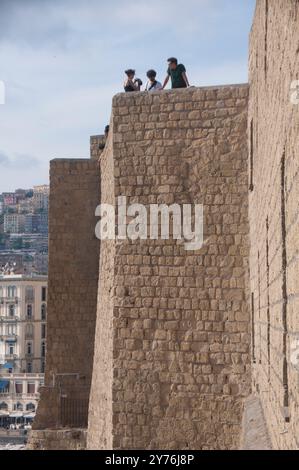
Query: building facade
23,314
41,197
23,311
14,223
19,395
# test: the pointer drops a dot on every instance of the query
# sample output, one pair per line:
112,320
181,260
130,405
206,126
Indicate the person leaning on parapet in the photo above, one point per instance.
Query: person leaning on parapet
132,84
152,84
106,132
177,73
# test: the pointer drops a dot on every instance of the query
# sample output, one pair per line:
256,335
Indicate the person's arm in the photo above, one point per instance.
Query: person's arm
184,75
126,83
165,82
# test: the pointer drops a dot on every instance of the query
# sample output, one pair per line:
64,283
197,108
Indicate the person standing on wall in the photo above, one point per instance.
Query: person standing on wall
152,84
177,73
132,84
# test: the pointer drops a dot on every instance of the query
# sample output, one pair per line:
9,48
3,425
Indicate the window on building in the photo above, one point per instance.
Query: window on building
44,294
30,407
19,387
11,292
29,330
11,329
29,348
29,311
29,367
11,349
18,406
43,331
43,349
43,366
44,312
3,406
11,310
29,294
31,387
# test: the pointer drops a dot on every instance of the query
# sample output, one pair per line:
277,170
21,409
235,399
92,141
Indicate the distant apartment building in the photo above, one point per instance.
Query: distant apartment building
21,194
18,397
43,223
32,222
41,197
25,205
32,241
36,223
23,311
14,223
40,263
24,229
23,314
25,261
9,199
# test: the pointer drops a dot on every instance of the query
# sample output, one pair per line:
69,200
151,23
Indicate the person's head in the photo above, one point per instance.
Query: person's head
130,73
172,63
151,75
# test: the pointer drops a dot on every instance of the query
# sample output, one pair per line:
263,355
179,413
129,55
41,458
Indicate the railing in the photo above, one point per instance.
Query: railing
11,356
12,336
22,396
13,299
74,407
4,374
5,318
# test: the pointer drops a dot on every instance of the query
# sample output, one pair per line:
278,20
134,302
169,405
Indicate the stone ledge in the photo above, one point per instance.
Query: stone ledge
57,439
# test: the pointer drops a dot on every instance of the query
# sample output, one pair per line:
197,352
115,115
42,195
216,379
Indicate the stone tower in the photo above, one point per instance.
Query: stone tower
156,346
171,363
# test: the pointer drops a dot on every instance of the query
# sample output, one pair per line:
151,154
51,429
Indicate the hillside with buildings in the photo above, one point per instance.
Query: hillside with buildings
23,306
23,315
24,230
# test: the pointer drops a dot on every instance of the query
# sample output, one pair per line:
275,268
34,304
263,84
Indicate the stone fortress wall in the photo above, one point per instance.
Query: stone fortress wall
175,340
274,215
73,281
172,361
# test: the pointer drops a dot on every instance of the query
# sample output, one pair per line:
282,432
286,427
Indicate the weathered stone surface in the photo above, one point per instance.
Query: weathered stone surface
273,124
97,144
73,280
58,439
172,362
255,434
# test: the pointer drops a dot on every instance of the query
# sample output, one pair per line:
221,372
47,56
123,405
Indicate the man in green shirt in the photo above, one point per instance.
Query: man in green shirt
177,73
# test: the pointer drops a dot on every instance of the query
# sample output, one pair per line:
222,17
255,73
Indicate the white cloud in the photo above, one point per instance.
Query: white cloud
62,61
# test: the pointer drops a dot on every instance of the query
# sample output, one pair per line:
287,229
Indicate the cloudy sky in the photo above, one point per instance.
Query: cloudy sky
63,60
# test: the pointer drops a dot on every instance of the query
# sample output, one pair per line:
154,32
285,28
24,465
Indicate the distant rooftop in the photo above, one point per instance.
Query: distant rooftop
23,277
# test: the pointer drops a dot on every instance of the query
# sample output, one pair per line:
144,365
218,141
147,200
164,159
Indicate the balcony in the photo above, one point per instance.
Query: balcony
22,376
9,318
20,396
29,335
10,300
11,357
9,337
